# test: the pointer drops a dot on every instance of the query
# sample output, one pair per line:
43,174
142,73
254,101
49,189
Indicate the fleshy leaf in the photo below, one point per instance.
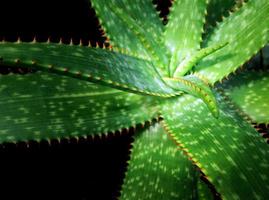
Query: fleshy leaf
233,156
183,32
216,11
133,25
195,87
93,64
246,30
45,106
155,50
157,170
188,63
250,92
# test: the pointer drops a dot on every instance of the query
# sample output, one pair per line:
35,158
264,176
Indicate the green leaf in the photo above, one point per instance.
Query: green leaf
93,64
204,192
45,106
196,87
246,30
183,32
250,92
233,156
157,170
134,25
188,63
216,11
156,51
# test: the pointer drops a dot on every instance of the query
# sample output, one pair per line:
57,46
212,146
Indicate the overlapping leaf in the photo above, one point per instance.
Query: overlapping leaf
196,87
93,64
183,33
246,30
134,25
233,156
188,63
250,92
216,10
43,106
157,170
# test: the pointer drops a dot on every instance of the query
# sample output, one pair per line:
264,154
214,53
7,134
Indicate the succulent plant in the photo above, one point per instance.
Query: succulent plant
169,75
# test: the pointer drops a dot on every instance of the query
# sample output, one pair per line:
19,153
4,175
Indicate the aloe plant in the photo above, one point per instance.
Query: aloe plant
169,75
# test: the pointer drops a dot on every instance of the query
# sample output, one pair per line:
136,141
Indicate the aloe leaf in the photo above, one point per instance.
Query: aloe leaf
157,170
133,25
188,63
46,106
216,11
93,64
250,92
183,32
246,30
233,156
156,50
195,87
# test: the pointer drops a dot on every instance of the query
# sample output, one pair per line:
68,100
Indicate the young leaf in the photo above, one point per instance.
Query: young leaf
188,63
183,32
46,106
195,87
246,30
250,92
233,156
93,64
157,170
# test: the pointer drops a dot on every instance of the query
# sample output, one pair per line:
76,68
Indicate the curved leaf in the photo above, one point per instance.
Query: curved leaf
93,64
188,63
195,87
250,92
246,30
233,156
45,106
